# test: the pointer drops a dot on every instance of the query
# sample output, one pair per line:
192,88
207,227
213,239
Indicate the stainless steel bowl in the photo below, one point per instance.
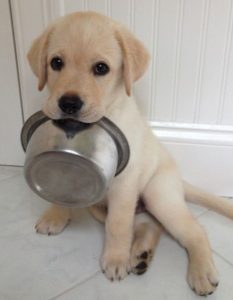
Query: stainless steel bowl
72,163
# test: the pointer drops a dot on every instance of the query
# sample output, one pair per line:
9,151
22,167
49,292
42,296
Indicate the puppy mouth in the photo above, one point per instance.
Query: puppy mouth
81,118
71,126
87,117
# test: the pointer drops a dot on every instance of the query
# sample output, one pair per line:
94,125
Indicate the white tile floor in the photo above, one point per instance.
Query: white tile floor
66,267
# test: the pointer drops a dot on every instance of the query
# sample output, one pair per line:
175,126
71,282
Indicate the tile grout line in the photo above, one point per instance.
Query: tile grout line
76,285
223,258
202,213
8,178
11,166
213,250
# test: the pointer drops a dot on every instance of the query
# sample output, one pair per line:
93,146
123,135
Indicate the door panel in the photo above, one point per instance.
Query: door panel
11,114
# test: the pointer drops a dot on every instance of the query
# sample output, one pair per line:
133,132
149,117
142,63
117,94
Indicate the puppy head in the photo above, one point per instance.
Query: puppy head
85,59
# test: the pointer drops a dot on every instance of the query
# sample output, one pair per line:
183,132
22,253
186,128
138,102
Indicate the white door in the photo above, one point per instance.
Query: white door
10,109
187,93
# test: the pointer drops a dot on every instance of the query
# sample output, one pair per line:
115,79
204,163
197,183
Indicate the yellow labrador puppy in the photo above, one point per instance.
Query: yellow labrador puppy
89,63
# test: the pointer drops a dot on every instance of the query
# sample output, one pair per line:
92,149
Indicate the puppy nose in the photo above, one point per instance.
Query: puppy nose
70,104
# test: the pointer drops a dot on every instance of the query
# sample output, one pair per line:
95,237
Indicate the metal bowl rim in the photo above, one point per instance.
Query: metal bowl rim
39,118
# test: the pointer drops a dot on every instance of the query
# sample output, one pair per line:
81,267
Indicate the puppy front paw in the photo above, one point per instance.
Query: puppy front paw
115,266
203,277
53,221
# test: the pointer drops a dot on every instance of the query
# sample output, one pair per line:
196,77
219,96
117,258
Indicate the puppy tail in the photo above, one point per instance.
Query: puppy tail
196,195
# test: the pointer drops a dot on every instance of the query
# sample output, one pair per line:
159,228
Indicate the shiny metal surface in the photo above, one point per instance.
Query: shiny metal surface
72,165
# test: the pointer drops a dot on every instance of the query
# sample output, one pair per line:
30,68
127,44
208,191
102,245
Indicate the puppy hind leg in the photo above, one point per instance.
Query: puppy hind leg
165,200
99,212
147,232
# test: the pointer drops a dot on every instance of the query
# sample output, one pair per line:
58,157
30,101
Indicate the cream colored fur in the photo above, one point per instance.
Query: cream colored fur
81,39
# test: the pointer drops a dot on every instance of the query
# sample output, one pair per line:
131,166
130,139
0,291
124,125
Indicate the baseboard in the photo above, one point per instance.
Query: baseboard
203,153
194,133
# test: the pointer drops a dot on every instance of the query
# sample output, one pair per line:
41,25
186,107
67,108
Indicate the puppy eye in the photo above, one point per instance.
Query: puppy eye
57,63
100,69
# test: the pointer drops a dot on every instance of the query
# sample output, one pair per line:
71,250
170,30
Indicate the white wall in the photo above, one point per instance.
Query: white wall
187,92
189,79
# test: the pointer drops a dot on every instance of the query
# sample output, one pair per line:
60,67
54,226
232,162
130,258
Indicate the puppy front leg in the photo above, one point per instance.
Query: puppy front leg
54,220
119,232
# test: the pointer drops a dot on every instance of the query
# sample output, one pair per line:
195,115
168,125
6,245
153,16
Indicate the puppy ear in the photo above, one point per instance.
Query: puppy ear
37,57
135,57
